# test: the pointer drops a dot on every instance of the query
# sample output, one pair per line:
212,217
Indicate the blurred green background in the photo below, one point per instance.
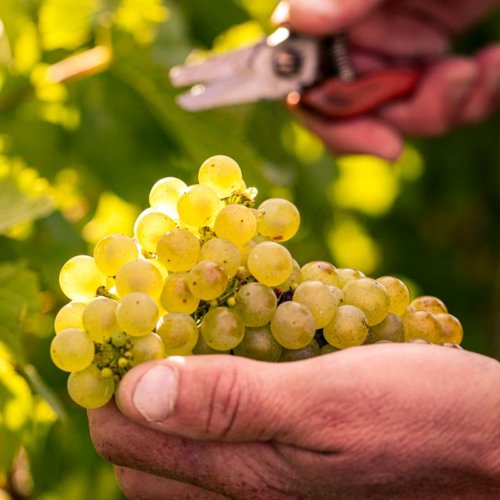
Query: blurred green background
88,123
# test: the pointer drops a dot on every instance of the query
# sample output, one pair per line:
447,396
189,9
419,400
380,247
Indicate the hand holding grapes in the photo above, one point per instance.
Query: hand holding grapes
386,421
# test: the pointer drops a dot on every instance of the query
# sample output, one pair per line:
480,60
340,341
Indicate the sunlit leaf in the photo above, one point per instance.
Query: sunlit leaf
26,47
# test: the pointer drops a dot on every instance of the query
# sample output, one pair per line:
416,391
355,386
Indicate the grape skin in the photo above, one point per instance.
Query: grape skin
80,278
278,219
318,298
69,316
451,328
428,303
256,304
164,195
258,343
139,276
146,348
421,325
207,280
150,226
99,319
311,350
270,263
113,251
72,350
222,174
198,205
222,328
178,250
236,223
178,332
320,271
293,325
176,295
222,252
89,389
348,328
399,295
137,314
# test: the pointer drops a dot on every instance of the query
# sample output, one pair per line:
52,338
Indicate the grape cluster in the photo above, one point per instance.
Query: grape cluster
206,272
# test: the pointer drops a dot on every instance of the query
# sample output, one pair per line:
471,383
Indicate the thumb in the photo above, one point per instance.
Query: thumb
219,398
322,17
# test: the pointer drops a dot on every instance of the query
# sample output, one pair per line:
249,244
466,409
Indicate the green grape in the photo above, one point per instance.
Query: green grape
150,226
293,280
318,298
293,325
270,263
390,328
256,304
178,250
222,252
236,223
139,276
113,251
327,349
207,280
258,343
69,316
421,325
319,270
137,314
311,350
338,294
146,348
222,328
163,270
80,278
89,389
202,347
176,295
119,339
348,328
72,350
346,274
178,332
222,174
399,295
165,194
198,205
99,319
451,328
278,219
428,303
368,295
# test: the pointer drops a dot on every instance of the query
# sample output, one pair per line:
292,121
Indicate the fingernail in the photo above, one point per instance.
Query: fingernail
281,13
155,393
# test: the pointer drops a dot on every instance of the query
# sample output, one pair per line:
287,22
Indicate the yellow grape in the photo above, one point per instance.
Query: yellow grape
139,276
270,263
346,274
207,280
293,280
89,389
222,328
176,295
146,348
165,194
256,304
428,303
113,251
293,325
137,314
451,328
258,343
399,295
99,319
178,332
150,226
69,316
368,295
311,350
319,299
222,252
80,278
222,174
72,350
278,219
421,325
236,223
198,205
319,270
178,250
391,328
202,347
348,328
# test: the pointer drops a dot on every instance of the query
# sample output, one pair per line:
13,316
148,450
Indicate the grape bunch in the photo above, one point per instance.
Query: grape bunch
206,272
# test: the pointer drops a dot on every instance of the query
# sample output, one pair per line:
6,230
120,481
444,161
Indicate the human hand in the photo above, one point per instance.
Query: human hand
380,421
453,90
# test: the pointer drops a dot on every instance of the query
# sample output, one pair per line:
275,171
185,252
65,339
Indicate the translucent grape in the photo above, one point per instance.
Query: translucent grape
198,205
278,219
176,295
137,314
428,303
72,350
139,276
146,348
222,174
80,278
256,304
207,280
99,319
338,294
222,328
222,252
348,328
368,295
451,328
178,332
236,223
293,325
258,343
346,274
113,251
293,280
421,325
319,270
69,316
270,263
202,347
178,250
150,226
391,328
319,299
89,389
165,194
311,350
399,295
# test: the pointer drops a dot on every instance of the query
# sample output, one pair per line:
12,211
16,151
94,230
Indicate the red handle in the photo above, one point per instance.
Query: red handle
337,99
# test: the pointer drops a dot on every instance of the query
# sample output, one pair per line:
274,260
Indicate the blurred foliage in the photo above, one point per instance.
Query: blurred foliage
88,122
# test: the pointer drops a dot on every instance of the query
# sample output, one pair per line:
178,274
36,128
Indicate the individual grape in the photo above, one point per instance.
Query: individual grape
292,325
338,294
399,295
137,314
451,329
150,226
327,349
270,263
178,332
202,347
222,252
119,339
278,219
256,304
370,296
258,343
236,223
69,316
293,280
165,194
222,328
89,389
207,280
176,295
348,328
99,319
163,270
318,298
72,350
319,270
390,328
222,174
428,303
113,251
146,348
80,278
311,350
346,274
198,205
178,250
139,276
421,325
